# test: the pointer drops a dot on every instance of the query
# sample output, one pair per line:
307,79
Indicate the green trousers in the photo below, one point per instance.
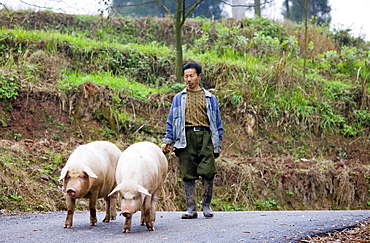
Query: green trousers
197,159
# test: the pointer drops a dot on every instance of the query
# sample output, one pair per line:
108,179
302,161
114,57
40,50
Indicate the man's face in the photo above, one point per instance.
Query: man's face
192,79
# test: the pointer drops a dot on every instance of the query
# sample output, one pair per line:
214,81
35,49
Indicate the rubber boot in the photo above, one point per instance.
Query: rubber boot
191,200
207,198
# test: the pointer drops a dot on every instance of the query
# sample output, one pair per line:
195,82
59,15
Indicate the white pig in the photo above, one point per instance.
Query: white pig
141,171
90,173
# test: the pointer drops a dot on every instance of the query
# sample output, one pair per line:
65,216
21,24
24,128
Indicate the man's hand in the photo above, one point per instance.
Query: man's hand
166,148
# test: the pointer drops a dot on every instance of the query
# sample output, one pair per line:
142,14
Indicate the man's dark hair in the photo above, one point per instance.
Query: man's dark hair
190,65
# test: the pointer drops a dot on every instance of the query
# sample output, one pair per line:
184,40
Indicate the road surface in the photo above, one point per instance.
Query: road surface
250,226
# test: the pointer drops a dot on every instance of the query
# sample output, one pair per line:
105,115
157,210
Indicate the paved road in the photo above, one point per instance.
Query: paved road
251,226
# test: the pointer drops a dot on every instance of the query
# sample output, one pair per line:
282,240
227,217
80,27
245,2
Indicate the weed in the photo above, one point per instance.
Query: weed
342,154
108,133
236,99
8,85
265,205
15,197
227,206
3,122
349,131
17,136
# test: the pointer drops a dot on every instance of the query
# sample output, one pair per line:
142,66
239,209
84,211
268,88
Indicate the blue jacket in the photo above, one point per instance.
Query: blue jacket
175,126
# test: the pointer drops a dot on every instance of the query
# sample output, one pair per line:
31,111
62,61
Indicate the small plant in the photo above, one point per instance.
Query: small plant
265,45
108,133
236,99
3,122
348,131
342,154
15,197
264,205
17,136
8,86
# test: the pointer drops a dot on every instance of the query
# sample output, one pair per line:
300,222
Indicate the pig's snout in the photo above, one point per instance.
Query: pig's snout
126,215
71,192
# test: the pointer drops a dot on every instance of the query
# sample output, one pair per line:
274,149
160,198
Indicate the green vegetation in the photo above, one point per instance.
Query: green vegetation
133,89
8,85
109,79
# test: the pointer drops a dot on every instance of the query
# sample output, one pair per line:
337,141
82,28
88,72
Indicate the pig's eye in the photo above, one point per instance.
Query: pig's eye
67,177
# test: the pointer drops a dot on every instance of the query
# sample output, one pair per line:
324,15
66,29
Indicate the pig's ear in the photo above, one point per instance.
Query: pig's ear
114,191
143,190
63,173
89,172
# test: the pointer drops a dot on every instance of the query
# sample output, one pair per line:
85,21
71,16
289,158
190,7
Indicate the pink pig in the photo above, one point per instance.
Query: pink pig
90,173
141,171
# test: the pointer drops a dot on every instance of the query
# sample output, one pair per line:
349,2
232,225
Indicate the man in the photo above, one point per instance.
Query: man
194,130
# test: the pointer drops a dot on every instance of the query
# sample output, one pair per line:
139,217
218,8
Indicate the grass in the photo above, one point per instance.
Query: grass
131,88
272,83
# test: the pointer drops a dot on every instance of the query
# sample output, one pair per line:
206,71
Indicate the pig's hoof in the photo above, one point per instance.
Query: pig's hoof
93,224
67,226
125,230
106,220
151,228
113,218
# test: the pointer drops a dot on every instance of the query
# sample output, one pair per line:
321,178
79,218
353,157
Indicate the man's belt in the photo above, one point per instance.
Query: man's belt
197,129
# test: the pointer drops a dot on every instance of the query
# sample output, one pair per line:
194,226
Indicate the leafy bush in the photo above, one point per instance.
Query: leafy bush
265,45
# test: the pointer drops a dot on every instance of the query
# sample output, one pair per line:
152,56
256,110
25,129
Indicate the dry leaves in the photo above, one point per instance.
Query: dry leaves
359,233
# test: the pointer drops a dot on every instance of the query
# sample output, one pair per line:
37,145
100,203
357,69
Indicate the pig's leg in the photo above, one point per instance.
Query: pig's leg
113,209
142,218
127,225
70,211
107,209
155,198
92,205
110,208
147,213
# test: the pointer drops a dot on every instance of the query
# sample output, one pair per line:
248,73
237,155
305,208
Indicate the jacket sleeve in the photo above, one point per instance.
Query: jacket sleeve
219,122
168,137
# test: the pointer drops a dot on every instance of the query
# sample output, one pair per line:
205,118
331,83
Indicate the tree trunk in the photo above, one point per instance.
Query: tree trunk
305,38
287,9
178,36
257,8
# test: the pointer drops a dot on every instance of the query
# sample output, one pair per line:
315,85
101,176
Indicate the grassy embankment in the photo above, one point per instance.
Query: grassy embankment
295,138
